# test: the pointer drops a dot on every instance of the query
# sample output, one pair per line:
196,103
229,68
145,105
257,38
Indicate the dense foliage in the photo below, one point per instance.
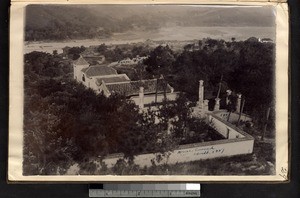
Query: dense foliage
123,51
246,67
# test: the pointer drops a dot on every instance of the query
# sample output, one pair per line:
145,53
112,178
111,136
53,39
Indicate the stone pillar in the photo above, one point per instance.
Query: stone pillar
205,104
217,105
170,126
238,103
201,94
141,97
172,89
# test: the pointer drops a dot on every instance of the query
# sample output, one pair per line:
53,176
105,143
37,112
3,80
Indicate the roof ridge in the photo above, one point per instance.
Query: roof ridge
100,66
81,61
144,80
110,76
99,70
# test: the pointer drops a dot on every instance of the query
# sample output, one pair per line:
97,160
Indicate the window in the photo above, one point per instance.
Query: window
83,78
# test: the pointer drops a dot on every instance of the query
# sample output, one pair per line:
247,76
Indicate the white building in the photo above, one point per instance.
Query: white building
106,80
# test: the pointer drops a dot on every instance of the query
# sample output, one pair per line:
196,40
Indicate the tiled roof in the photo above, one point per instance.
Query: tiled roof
81,61
113,79
132,87
99,71
93,60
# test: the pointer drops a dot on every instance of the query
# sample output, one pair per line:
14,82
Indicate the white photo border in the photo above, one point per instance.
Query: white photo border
16,98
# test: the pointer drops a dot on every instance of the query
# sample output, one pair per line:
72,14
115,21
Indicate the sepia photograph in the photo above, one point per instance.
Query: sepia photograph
150,90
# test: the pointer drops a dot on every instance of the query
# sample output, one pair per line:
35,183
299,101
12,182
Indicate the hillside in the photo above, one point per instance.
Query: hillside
53,22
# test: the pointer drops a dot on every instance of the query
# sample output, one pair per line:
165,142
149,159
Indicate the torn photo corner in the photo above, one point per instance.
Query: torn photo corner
148,92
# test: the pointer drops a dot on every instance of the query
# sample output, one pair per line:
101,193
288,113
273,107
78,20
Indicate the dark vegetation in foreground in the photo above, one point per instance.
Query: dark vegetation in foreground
65,123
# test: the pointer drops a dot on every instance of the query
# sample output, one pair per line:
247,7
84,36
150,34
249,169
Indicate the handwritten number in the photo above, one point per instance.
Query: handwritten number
283,173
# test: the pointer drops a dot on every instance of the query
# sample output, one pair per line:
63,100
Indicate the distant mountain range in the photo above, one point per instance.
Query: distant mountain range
58,22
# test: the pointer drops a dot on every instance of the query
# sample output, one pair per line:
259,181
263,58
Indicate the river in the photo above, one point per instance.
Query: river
163,34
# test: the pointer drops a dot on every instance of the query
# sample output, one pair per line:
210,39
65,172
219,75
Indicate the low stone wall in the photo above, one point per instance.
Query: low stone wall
148,99
200,151
226,129
233,116
238,143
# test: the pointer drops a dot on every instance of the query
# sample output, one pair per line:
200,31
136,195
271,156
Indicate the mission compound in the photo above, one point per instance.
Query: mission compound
151,92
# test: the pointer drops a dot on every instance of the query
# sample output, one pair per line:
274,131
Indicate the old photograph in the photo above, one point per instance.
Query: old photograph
135,90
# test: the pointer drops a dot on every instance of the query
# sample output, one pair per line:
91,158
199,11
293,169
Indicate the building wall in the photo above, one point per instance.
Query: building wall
148,99
233,116
104,89
77,72
88,81
193,152
93,85
226,129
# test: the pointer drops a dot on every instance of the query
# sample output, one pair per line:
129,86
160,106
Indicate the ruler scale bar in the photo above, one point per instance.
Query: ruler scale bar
132,193
145,190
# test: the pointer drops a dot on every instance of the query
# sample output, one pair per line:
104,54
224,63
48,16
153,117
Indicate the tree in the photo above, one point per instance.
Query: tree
254,76
140,51
183,113
45,150
102,48
118,54
74,52
160,60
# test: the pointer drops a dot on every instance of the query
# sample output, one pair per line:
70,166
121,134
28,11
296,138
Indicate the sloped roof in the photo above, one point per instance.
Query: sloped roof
81,61
112,79
99,70
94,60
132,87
